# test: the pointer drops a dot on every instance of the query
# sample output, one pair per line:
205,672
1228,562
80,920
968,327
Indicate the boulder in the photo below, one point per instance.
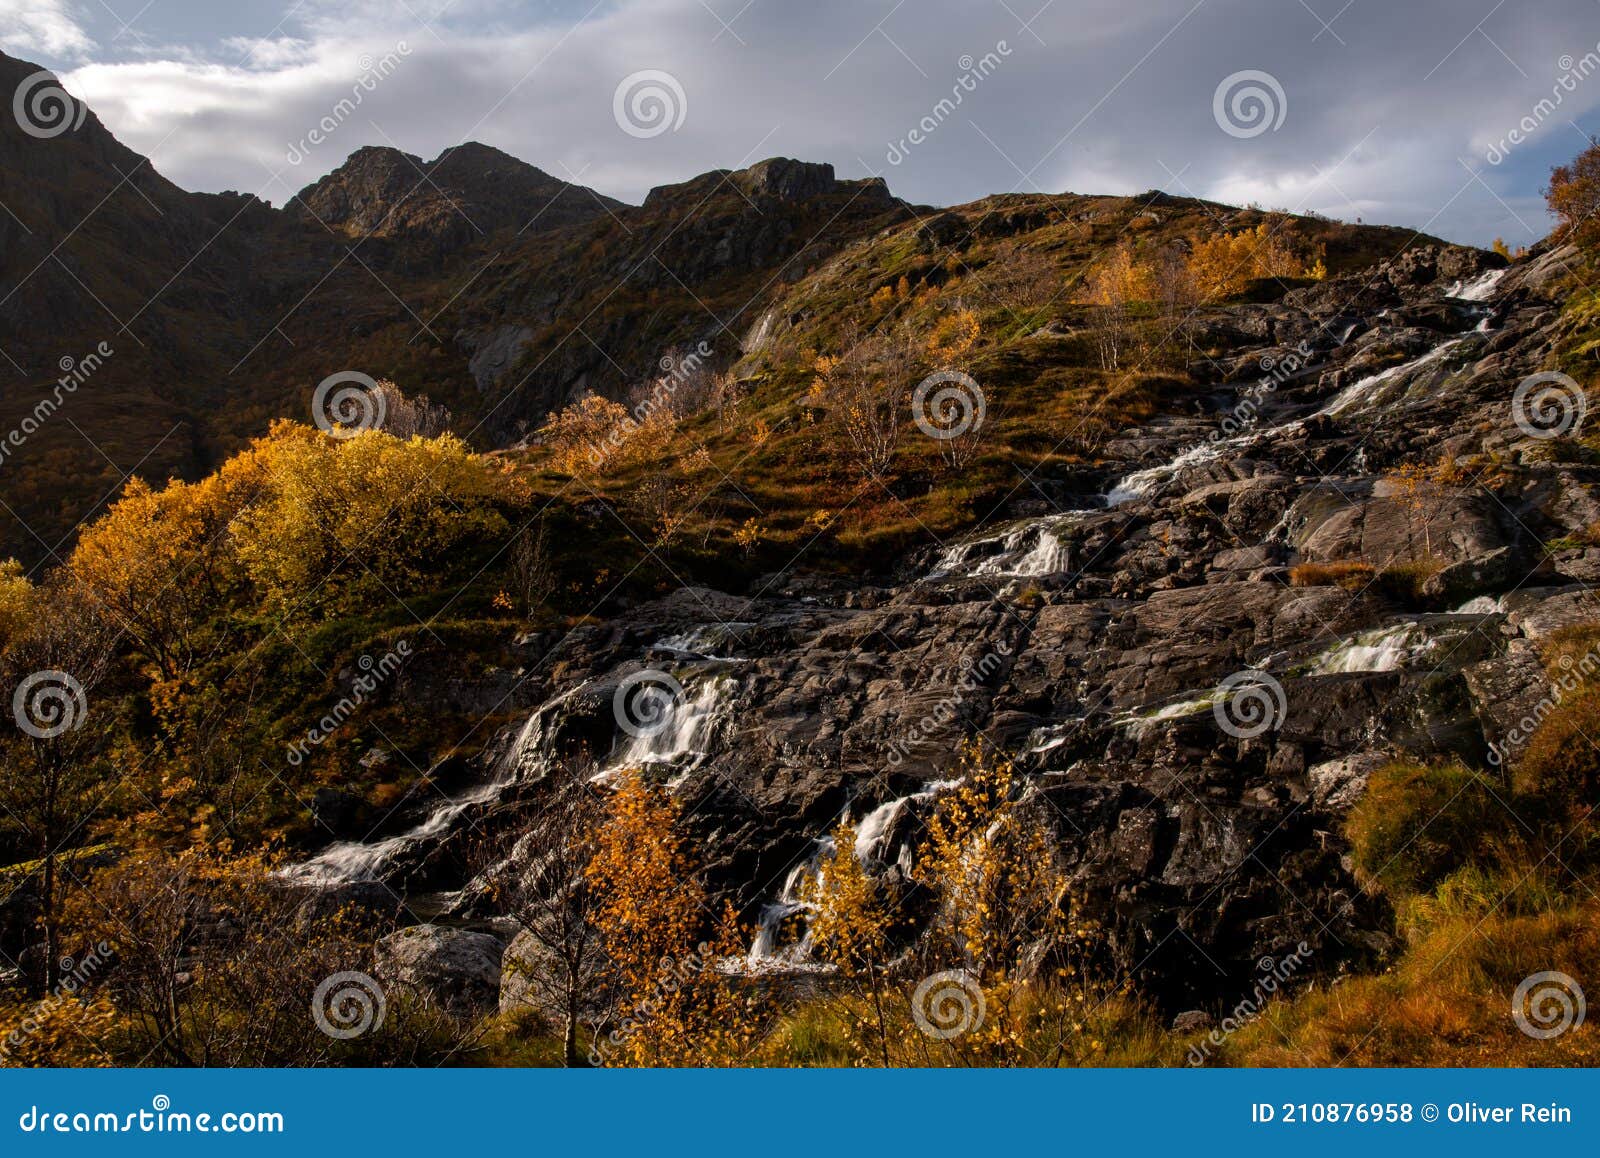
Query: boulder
454,969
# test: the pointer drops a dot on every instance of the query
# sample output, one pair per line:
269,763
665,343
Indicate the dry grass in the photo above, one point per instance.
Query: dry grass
1348,573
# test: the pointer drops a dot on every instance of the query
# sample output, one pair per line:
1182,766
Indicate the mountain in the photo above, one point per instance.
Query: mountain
1257,549
474,278
465,195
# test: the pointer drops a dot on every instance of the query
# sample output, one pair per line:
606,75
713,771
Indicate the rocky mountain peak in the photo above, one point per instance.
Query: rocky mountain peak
465,194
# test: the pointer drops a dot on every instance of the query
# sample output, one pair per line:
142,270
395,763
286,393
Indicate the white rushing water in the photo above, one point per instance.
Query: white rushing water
679,745
350,861
1381,649
711,640
684,740
1029,550
1479,289
1143,483
1372,389
767,952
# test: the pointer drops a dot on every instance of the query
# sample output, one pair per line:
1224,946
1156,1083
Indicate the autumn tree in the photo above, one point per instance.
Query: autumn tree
218,964
670,1004
53,774
1574,195
545,885
1116,285
157,566
407,418
533,568
849,924
1223,265
863,393
344,520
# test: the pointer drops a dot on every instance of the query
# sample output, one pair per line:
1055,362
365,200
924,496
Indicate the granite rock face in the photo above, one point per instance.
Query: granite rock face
1197,714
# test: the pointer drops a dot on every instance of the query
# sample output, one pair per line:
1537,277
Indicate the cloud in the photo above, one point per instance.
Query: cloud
1390,110
42,28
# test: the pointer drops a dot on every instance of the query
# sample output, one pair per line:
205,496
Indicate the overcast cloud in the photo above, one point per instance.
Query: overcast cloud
1391,111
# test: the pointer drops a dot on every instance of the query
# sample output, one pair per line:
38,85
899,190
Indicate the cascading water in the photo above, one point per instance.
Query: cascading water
1143,483
1029,550
1381,649
875,828
683,740
1479,289
350,861
709,640
1370,390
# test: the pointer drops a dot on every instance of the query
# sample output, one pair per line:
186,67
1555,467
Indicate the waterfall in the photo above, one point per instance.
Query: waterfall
1029,550
1378,650
349,861
707,640
1143,483
1366,392
683,742
1479,289
872,832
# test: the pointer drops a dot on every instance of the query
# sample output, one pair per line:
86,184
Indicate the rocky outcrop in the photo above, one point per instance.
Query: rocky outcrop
1102,643
457,970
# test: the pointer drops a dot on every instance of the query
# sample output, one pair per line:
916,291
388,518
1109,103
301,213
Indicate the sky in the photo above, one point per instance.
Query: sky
1440,115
